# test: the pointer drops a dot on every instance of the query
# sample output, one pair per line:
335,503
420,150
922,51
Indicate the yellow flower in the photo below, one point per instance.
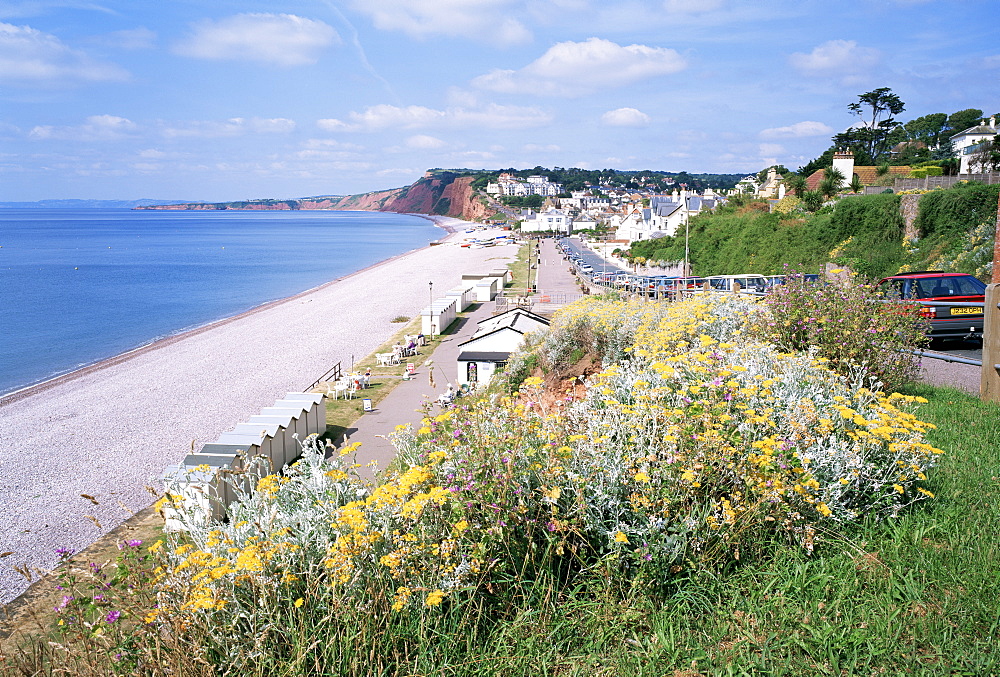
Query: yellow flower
898,488
620,537
641,477
156,546
435,598
460,526
299,602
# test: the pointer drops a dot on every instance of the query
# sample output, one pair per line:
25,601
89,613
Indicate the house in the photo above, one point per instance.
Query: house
904,147
967,142
844,162
664,216
773,187
491,346
748,184
550,221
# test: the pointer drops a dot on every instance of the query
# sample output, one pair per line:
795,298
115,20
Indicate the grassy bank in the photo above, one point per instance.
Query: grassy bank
953,231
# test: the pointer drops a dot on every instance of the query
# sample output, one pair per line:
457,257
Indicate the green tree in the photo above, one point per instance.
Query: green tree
833,181
961,120
812,200
927,128
856,185
797,184
876,109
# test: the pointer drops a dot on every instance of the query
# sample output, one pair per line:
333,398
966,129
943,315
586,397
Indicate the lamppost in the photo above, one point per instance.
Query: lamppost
430,287
686,251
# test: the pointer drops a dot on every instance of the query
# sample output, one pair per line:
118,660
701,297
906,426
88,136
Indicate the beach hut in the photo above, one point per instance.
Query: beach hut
438,316
256,443
298,425
286,421
204,485
490,347
463,297
313,406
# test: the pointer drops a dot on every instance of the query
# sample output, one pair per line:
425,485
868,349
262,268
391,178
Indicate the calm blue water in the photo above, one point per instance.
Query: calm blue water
79,286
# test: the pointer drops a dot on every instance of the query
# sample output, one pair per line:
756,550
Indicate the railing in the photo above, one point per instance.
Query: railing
334,373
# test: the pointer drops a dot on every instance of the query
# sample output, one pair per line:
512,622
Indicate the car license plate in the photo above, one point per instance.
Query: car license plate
966,311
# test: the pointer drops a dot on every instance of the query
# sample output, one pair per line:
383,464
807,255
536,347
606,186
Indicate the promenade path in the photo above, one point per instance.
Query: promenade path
408,401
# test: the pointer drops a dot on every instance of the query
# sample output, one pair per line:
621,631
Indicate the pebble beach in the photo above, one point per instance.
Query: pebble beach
109,430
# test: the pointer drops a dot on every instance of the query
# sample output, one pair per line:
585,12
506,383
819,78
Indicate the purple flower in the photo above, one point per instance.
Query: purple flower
64,552
113,616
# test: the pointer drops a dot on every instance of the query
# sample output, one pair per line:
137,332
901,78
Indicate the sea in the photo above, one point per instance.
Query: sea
81,285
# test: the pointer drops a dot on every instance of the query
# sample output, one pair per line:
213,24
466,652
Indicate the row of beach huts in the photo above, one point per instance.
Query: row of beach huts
209,480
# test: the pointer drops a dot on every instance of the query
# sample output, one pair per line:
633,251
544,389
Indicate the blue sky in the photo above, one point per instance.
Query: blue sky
228,100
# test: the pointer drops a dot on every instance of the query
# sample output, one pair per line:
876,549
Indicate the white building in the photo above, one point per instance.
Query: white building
510,186
549,221
491,346
966,143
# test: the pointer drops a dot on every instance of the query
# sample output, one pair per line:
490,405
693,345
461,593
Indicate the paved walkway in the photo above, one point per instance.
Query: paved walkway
556,281
408,400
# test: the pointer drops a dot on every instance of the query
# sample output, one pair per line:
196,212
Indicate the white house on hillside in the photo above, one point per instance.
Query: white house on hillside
966,143
551,220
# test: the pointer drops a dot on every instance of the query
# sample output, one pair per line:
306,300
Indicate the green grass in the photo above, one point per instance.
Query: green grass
916,595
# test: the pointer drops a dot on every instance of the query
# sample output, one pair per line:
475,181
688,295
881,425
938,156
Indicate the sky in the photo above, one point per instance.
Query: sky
247,99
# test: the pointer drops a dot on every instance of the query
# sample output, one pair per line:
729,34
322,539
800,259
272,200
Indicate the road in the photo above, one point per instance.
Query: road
972,350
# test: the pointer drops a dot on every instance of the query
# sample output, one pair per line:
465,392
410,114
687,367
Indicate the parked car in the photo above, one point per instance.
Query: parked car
749,282
935,290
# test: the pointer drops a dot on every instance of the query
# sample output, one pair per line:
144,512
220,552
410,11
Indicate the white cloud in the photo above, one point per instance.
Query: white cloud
331,144
231,127
424,142
488,20
842,59
692,6
990,61
279,39
798,130
577,68
30,57
385,116
625,117
768,149
95,128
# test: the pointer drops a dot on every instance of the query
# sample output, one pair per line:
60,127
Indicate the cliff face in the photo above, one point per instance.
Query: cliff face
444,194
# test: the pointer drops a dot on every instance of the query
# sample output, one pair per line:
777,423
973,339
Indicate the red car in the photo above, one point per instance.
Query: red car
936,290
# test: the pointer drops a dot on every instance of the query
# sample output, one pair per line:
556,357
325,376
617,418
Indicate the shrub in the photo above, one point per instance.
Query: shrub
849,325
400,319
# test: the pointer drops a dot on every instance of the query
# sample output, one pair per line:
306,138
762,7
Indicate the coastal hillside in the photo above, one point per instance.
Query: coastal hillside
874,235
437,192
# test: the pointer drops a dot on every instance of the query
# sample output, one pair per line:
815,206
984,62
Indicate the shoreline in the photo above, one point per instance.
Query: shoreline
163,342
109,430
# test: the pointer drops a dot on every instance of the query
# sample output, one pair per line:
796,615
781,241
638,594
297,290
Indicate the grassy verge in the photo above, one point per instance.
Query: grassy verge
917,595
